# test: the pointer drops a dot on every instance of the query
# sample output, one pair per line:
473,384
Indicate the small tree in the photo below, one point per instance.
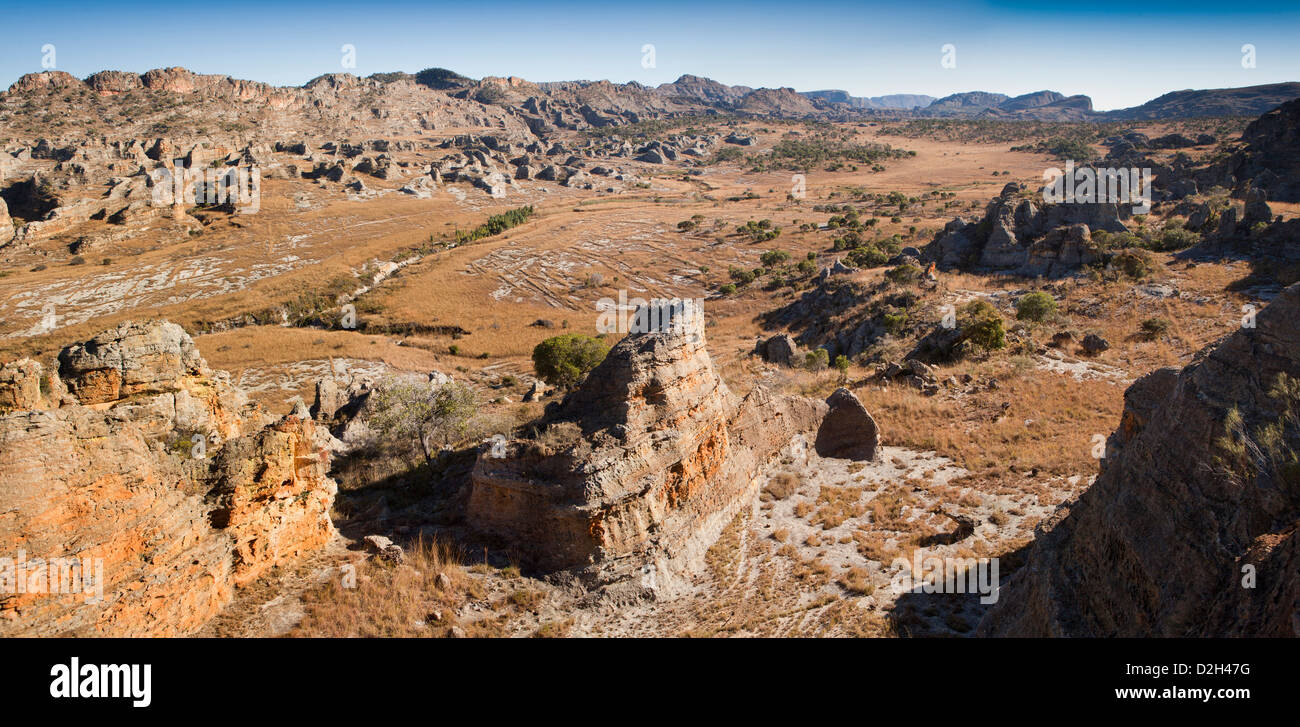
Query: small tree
1035,306
424,414
842,364
563,361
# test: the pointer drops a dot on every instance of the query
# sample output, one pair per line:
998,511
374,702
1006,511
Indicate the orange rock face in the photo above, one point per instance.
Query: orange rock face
173,495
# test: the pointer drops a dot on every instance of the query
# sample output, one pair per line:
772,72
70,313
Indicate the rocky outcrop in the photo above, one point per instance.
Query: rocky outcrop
1191,527
7,231
638,470
1270,160
1020,234
156,472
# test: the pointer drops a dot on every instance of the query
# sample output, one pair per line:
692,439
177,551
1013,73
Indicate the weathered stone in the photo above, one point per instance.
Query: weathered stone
848,431
20,385
666,456
133,358
165,477
1094,344
781,350
1158,545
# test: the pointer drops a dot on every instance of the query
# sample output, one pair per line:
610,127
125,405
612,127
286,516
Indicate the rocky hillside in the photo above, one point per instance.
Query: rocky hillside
1269,159
135,455
1245,101
1191,527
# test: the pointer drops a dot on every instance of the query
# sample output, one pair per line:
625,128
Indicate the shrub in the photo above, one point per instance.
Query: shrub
727,289
981,325
1153,328
781,486
556,438
1036,306
904,273
842,365
866,257
816,359
772,258
895,322
740,275
1135,264
439,78
1176,238
564,360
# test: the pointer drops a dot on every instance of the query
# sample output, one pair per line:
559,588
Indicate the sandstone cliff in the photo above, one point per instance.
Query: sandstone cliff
667,456
1200,490
137,456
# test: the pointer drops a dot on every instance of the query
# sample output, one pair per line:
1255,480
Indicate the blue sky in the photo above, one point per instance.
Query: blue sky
1121,56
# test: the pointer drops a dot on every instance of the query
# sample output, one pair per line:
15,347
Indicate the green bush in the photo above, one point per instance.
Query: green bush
866,257
727,289
1176,238
740,275
904,273
895,322
816,359
422,414
439,78
842,365
1036,306
981,325
772,258
564,360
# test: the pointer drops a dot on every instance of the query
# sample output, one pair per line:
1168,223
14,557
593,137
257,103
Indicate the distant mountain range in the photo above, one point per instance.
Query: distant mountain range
904,101
439,98
1055,106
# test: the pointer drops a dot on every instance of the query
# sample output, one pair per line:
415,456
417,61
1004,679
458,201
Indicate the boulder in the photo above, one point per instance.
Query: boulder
1093,344
781,350
848,431
20,385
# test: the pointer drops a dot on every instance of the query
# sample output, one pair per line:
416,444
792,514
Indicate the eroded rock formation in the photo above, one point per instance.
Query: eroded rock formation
1199,499
1020,234
660,456
136,456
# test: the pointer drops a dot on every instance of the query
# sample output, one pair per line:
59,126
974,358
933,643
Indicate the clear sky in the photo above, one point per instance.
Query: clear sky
1120,54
